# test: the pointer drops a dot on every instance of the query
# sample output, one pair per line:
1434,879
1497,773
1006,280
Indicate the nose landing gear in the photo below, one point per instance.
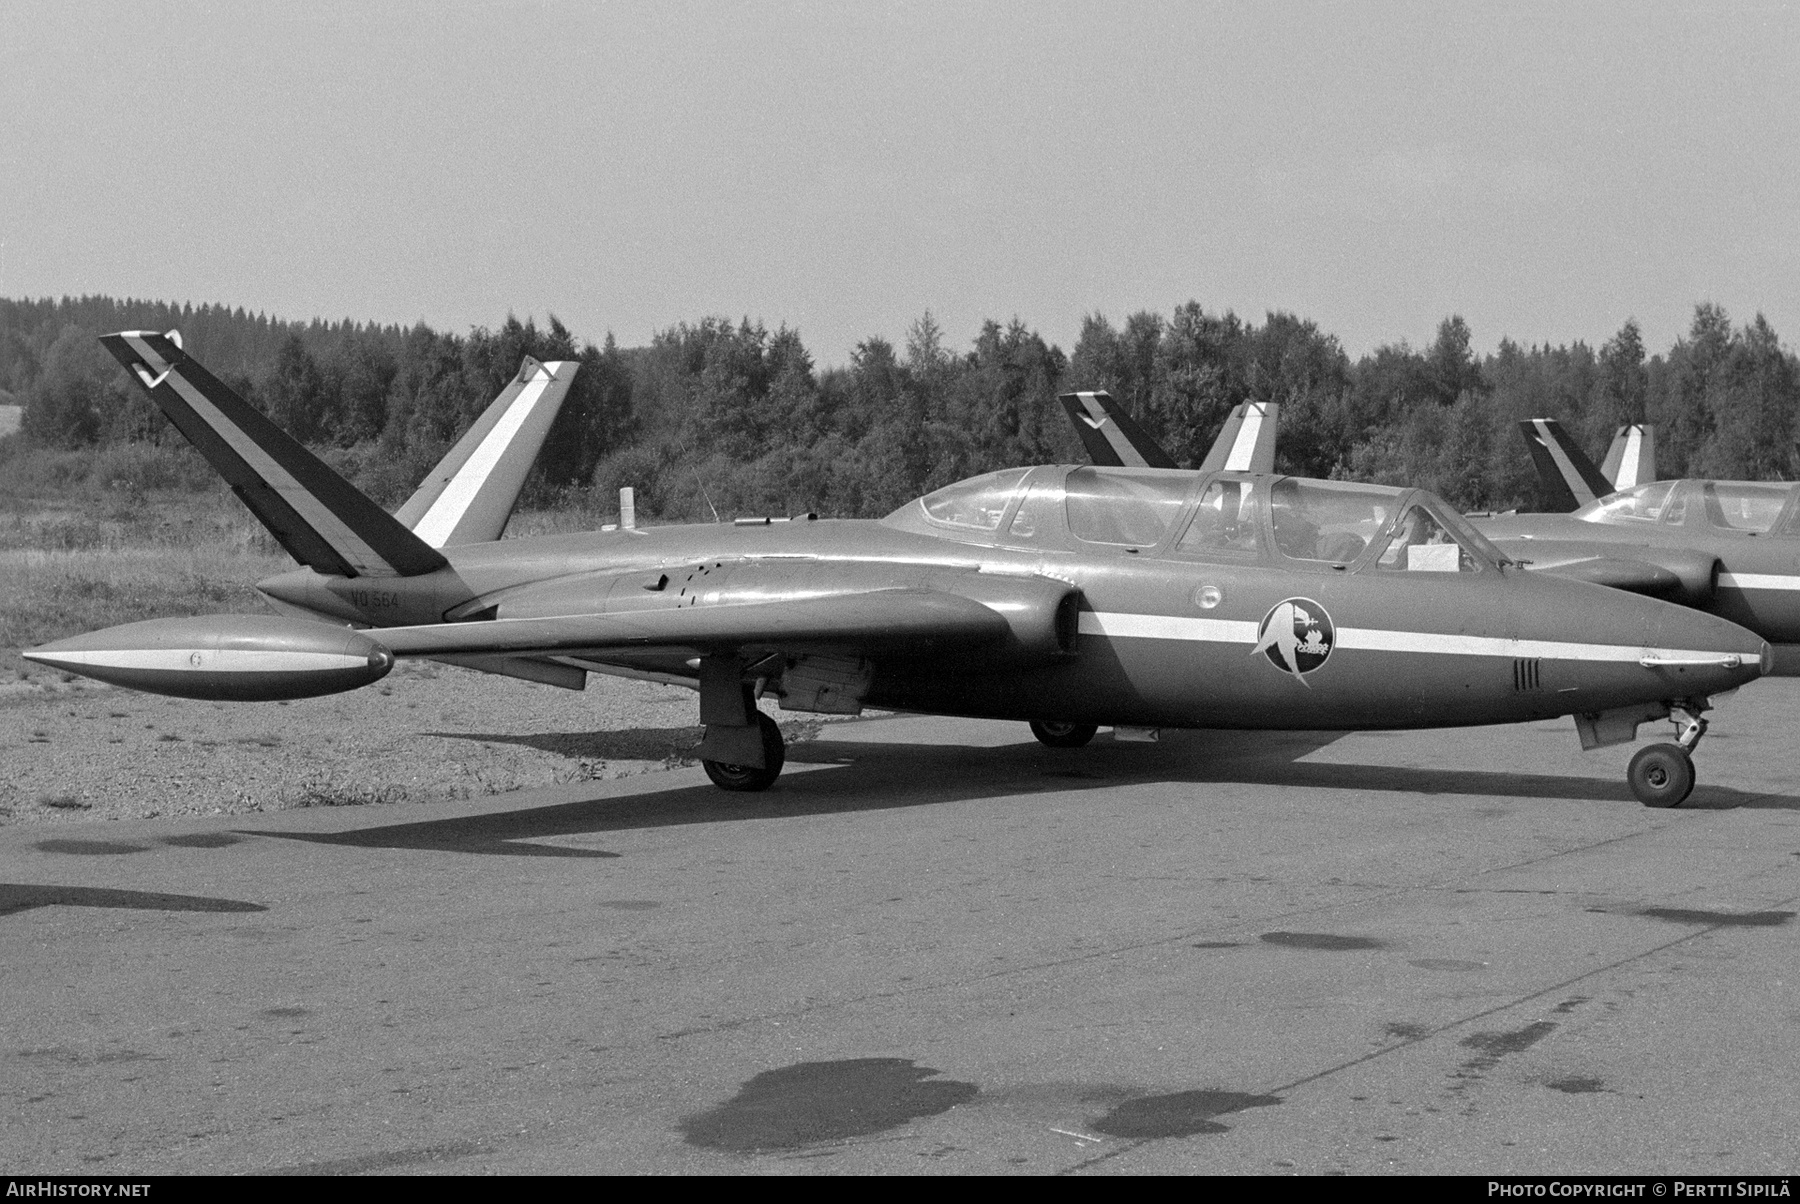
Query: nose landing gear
1662,775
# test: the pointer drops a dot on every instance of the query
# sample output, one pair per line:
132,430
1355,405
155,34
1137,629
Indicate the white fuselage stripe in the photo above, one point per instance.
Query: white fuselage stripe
439,522
204,660
1759,581
1368,639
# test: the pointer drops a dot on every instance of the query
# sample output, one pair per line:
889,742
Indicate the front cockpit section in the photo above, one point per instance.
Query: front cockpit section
1324,526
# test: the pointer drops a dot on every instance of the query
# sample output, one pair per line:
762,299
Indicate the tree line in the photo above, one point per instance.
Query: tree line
730,417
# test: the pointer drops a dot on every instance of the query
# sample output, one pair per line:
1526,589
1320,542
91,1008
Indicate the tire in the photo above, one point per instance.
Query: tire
1661,775
747,777
1063,735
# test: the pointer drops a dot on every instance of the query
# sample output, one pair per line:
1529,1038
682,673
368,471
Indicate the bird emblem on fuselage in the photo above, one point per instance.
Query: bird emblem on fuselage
1296,635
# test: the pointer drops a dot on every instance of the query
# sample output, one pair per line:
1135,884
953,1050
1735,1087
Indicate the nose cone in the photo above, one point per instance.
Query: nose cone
1622,648
1702,653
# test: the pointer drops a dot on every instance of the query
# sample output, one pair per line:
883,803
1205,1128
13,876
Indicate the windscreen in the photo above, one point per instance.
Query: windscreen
1423,542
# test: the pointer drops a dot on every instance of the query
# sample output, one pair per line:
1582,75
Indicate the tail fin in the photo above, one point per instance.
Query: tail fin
1631,460
1246,442
469,496
1567,479
1109,435
319,517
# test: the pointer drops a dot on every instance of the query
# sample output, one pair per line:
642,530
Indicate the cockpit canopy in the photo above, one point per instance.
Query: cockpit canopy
1754,507
1225,516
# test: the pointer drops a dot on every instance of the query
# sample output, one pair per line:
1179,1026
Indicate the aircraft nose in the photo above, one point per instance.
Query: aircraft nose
1703,652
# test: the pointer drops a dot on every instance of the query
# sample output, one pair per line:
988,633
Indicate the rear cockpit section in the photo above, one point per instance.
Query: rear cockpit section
1330,522
1056,506
1125,507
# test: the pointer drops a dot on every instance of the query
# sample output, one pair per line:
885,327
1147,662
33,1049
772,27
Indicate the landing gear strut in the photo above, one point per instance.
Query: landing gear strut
747,777
1662,775
1063,735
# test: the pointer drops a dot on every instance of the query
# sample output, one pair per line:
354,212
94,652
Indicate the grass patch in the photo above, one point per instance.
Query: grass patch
64,802
90,540
320,790
83,561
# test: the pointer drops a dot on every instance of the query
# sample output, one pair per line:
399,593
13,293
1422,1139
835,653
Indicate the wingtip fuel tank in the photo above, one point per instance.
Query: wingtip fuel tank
224,658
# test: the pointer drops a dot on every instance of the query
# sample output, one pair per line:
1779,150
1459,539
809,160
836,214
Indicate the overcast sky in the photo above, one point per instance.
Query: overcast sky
1545,170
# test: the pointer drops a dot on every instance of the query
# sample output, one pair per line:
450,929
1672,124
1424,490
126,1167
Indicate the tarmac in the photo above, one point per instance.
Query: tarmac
937,947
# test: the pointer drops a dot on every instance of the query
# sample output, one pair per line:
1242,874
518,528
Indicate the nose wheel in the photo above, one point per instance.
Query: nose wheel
1062,735
1662,775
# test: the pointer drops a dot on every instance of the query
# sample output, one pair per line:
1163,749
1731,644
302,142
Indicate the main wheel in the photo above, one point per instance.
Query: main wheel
1063,735
1661,775
747,777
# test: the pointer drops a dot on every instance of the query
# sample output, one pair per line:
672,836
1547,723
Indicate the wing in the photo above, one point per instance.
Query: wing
981,620
912,621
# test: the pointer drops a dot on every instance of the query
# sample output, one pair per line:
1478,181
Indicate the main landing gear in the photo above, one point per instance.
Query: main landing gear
1063,735
727,776
1662,775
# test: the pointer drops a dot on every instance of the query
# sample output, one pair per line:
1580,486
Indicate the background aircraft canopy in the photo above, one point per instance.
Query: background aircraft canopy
1743,505
1645,503
1749,506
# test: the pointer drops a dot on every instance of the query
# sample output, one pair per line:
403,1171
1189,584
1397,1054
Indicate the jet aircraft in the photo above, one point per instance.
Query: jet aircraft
1731,548
1064,596
1728,547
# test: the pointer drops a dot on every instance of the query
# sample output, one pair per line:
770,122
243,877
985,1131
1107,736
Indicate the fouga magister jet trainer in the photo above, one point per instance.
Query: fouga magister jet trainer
1063,596
1731,548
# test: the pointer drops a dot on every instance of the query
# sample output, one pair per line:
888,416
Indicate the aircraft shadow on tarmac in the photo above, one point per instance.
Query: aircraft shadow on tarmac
632,744
16,897
866,776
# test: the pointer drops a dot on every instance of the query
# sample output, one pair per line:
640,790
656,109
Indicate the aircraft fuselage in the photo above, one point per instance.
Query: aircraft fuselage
1162,638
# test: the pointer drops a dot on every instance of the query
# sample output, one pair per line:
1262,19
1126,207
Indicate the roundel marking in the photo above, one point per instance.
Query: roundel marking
1297,636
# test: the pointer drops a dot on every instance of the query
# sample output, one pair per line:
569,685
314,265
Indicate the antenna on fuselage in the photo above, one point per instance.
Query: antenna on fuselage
702,484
